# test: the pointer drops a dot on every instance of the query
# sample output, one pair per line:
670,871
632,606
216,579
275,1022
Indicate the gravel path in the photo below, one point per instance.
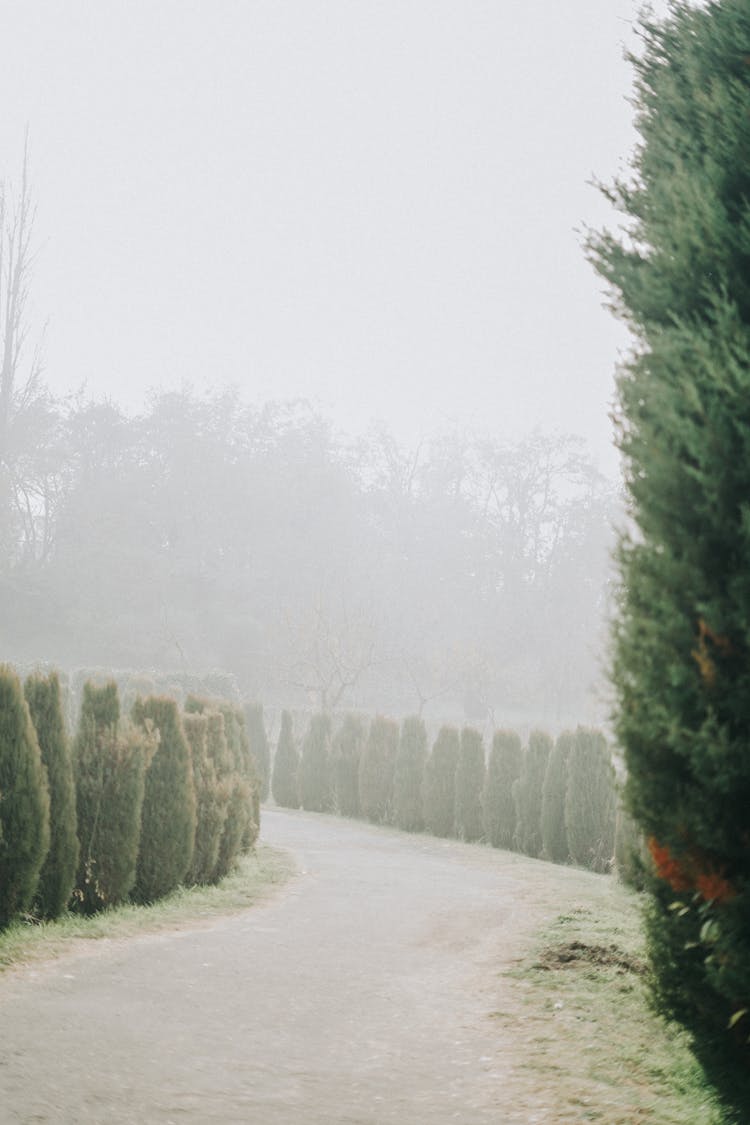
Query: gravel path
362,994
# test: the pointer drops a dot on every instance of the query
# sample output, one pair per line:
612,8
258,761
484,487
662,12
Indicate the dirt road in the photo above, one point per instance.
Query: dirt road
362,994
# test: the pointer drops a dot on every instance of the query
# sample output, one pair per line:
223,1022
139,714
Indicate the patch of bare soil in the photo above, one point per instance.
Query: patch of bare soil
573,954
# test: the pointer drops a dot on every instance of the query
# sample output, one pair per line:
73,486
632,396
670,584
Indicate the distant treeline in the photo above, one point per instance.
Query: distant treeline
467,574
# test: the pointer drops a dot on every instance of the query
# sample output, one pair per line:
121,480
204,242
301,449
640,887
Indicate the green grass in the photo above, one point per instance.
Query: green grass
254,880
584,990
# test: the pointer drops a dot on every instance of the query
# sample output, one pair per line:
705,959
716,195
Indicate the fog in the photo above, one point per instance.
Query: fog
374,208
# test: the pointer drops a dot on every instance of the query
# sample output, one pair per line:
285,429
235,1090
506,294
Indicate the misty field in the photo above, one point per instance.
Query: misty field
395,978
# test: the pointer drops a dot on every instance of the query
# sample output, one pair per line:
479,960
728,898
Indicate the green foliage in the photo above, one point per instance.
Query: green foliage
681,669
168,816
286,766
212,800
315,775
24,801
408,778
630,850
110,761
590,801
439,794
259,749
554,835
498,805
527,793
227,746
376,770
348,746
470,774
58,874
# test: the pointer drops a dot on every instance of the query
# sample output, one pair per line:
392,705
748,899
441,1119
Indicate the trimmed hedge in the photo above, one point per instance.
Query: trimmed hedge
58,874
439,794
470,774
347,750
554,835
376,768
498,804
408,777
315,774
24,801
284,780
527,793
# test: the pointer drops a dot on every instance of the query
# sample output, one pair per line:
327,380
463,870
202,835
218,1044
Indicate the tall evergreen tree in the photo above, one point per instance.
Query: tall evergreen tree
259,749
439,792
498,804
24,801
284,785
315,780
376,767
554,835
211,801
168,814
590,801
469,785
680,279
408,778
347,749
58,874
527,793
110,762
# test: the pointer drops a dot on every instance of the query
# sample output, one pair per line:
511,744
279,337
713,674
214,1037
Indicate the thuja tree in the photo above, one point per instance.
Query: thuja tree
227,750
245,769
211,801
348,745
527,793
469,785
24,801
681,669
168,813
590,801
315,781
259,749
498,804
554,834
284,785
110,761
58,874
376,768
439,792
408,776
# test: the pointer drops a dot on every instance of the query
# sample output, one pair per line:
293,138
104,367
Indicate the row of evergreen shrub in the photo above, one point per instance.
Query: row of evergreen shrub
130,808
554,800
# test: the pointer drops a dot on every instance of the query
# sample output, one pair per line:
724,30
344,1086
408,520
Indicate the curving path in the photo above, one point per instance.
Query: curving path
361,993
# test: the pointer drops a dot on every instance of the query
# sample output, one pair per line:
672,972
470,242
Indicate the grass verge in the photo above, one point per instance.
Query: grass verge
590,1032
254,880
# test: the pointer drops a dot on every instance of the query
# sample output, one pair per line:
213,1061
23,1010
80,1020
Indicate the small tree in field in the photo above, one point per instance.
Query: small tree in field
376,770
58,874
408,778
286,766
469,785
439,795
259,750
211,798
347,750
527,792
24,801
554,835
498,804
315,781
168,813
590,801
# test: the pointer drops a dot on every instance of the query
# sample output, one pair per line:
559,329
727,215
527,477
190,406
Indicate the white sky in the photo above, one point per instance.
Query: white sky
370,203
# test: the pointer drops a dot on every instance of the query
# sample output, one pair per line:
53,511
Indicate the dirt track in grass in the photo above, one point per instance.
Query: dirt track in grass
363,993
